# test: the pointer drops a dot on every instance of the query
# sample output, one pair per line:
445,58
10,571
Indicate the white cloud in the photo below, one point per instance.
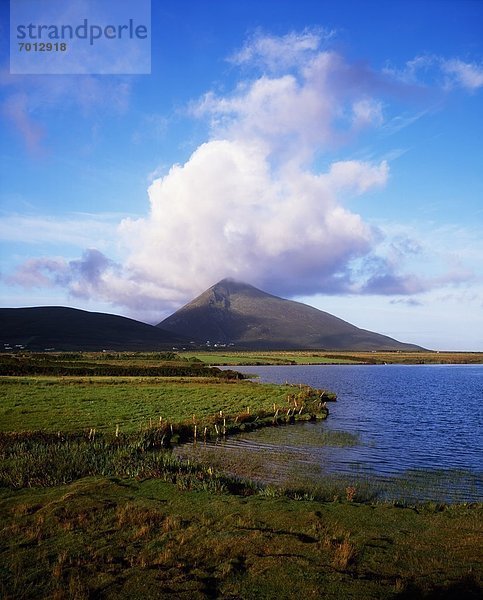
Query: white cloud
80,229
281,52
318,107
416,258
467,75
367,111
440,72
38,272
245,204
414,70
226,212
357,176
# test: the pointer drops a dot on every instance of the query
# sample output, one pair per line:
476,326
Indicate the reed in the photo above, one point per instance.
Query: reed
344,554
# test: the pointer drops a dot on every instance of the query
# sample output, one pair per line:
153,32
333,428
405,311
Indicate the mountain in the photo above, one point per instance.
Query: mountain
61,328
236,313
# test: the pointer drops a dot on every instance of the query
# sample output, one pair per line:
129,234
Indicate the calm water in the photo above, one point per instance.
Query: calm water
417,423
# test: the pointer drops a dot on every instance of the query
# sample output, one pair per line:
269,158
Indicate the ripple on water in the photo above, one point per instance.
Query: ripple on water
418,425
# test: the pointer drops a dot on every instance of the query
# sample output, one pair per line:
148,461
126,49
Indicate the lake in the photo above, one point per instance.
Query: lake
415,430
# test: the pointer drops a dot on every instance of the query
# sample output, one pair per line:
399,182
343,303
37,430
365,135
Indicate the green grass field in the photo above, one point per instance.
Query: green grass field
301,357
269,358
75,404
104,516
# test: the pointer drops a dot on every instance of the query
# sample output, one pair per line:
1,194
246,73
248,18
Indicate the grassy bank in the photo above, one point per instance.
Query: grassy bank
122,538
70,404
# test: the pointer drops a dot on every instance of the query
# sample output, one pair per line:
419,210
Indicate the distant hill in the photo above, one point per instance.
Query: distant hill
62,328
236,313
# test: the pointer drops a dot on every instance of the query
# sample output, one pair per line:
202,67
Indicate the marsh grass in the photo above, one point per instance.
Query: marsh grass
284,471
47,461
119,365
309,435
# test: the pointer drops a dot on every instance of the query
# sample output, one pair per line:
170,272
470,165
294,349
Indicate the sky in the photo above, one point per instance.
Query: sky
325,151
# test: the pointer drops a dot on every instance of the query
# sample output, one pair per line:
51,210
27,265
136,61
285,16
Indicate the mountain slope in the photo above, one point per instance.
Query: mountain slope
64,328
238,313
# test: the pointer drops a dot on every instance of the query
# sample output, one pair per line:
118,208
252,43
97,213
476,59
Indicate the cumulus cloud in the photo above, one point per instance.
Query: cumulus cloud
248,203
414,259
225,212
389,284
319,106
95,276
39,272
367,111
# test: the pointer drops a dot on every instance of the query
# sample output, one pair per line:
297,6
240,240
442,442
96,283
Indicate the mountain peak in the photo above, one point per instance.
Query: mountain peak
234,312
228,281
234,286
229,286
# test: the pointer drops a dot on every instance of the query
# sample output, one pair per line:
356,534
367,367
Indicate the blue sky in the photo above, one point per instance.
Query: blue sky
329,152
